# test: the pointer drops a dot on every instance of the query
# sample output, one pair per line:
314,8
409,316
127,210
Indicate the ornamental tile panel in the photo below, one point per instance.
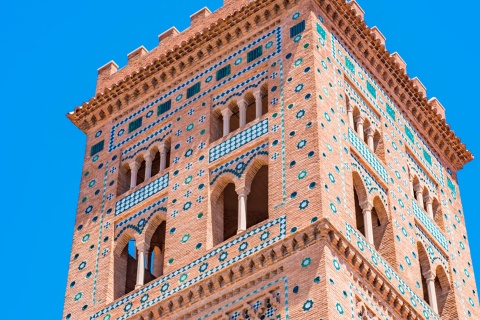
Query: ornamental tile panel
367,155
240,139
141,194
429,225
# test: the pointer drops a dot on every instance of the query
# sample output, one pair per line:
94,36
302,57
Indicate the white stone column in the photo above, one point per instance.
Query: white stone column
432,295
429,206
141,265
410,183
258,103
242,209
370,133
367,222
148,165
419,196
163,149
359,121
134,166
350,116
242,108
226,113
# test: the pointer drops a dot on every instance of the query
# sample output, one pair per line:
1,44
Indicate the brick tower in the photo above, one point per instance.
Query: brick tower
272,161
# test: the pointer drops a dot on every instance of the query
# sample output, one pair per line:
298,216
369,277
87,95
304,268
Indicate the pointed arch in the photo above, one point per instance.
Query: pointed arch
257,199
252,169
223,209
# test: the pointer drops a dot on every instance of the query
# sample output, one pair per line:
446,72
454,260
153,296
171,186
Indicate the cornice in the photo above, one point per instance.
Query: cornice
347,20
265,265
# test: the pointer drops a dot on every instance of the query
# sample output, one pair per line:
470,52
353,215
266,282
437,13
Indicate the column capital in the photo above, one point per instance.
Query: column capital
142,246
366,205
226,112
257,93
163,147
418,188
370,132
349,107
359,119
148,156
134,165
242,103
429,275
242,191
428,199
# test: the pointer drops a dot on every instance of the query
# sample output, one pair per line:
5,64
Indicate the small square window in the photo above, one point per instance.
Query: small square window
254,54
193,90
164,107
97,148
134,125
297,29
222,73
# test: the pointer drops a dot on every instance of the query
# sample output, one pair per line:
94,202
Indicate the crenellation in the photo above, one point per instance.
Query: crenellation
417,84
399,61
378,35
166,37
438,107
136,54
355,7
199,16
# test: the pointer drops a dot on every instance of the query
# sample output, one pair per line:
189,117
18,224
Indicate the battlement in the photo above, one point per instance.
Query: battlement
170,39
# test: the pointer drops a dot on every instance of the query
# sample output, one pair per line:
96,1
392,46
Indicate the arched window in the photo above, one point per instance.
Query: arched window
124,177
225,214
141,171
383,237
156,163
438,214
426,196
442,289
235,117
250,102
257,201
424,268
435,283
216,125
156,253
358,214
378,148
125,268
360,198
368,132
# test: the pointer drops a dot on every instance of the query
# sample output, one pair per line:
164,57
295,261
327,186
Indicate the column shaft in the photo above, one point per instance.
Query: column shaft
242,108
367,221
242,212
148,167
163,159
258,104
140,269
432,295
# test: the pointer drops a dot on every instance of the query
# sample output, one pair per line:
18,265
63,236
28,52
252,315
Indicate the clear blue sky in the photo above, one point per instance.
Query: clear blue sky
50,51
